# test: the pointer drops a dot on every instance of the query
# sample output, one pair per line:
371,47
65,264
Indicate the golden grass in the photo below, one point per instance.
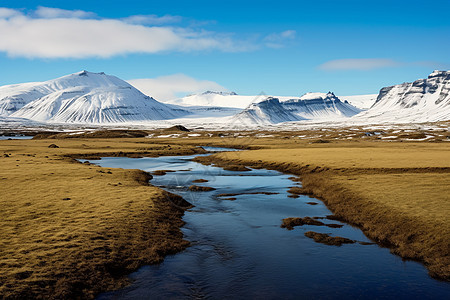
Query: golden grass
425,196
71,230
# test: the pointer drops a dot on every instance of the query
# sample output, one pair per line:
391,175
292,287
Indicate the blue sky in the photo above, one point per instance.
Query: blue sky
275,47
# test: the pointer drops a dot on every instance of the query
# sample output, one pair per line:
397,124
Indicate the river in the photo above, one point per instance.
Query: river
238,249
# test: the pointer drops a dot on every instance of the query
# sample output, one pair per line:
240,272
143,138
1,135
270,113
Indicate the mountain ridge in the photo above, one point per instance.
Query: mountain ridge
424,100
311,106
97,98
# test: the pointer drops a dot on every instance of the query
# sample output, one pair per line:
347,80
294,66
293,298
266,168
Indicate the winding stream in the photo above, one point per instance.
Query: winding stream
239,250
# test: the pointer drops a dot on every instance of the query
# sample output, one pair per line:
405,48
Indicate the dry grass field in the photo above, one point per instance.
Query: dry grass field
72,230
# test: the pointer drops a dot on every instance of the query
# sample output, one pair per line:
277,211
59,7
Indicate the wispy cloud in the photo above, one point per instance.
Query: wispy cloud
358,64
433,64
278,40
152,19
173,86
57,33
53,13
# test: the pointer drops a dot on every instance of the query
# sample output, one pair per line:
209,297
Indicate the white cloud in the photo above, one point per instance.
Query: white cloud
358,64
57,33
278,40
52,13
6,13
152,19
173,86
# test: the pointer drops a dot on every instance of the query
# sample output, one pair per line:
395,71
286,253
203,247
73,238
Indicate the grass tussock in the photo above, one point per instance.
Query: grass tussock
72,230
326,239
199,180
235,168
197,188
161,172
290,223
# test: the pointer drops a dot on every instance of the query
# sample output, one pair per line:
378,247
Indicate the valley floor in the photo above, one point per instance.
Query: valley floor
72,229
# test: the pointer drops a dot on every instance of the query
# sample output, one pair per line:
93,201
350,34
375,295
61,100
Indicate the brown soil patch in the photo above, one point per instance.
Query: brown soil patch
335,218
197,188
296,190
176,128
235,168
161,172
290,223
200,181
326,239
249,193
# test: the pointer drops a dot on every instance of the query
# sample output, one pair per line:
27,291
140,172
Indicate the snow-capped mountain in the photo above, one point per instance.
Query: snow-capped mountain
424,100
83,97
311,106
97,98
320,106
217,99
360,101
269,111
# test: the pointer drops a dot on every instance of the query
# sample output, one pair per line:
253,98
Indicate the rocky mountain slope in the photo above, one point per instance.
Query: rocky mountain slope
424,100
311,106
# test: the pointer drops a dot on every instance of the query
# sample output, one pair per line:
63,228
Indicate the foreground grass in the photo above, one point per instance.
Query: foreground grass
71,230
396,192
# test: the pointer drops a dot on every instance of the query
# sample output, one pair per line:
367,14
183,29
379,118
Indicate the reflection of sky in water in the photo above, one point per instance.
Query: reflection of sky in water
22,137
218,149
239,250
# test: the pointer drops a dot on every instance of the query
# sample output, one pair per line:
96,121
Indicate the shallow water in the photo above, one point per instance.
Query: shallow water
19,137
239,250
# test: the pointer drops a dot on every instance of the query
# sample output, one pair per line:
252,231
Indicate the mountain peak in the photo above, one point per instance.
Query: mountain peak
83,97
219,93
86,73
438,73
318,96
424,100
311,106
